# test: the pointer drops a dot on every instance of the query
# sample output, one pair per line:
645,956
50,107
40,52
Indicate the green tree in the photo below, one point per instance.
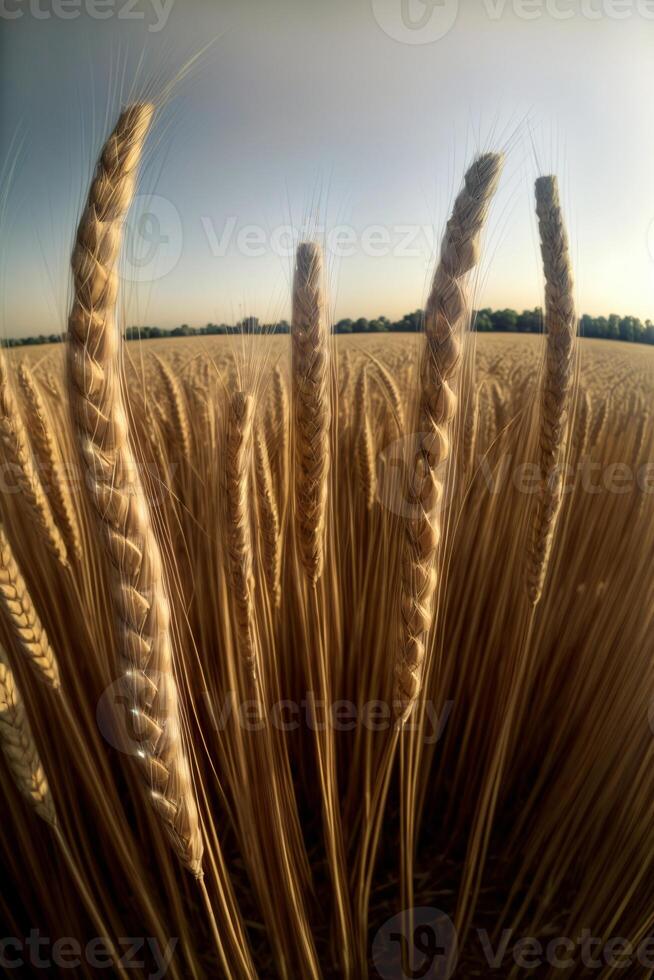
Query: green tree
505,321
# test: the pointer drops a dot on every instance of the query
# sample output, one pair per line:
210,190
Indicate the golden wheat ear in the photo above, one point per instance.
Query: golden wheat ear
269,524
238,459
145,660
311,406
363,442
18,455
23,619
19,748
48,457
560,323
445,316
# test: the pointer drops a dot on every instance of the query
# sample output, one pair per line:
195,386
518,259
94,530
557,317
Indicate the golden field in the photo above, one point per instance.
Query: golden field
531,807
328,658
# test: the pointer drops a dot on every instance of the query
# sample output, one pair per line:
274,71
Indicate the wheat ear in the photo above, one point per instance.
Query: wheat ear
364,451
268,520
238,458
555,396
445,316
311,406
391,389
18,455
31,637
182,430
19,748
145,656
47,454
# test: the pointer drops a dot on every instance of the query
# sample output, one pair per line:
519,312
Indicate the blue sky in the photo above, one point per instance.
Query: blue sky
326,116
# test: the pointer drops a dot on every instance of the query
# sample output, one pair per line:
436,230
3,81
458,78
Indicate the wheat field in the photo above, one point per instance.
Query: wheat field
303,636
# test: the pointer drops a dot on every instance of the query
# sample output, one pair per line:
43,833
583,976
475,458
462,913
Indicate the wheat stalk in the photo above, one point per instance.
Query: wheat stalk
19,748
599,423
280,402
145,656
445,316
48,456
311,406
18,455
392,391
238,456
31,637
268,520
178,408
363,448
470,425
555,397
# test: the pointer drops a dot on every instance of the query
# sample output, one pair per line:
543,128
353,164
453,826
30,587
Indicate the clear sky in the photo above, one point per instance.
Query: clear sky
328,114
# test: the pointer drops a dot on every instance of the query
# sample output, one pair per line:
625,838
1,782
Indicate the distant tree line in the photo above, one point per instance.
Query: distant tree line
613,327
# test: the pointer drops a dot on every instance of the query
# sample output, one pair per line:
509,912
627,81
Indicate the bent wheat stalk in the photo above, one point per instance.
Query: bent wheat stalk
445,316
311,406
145,657
555,396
